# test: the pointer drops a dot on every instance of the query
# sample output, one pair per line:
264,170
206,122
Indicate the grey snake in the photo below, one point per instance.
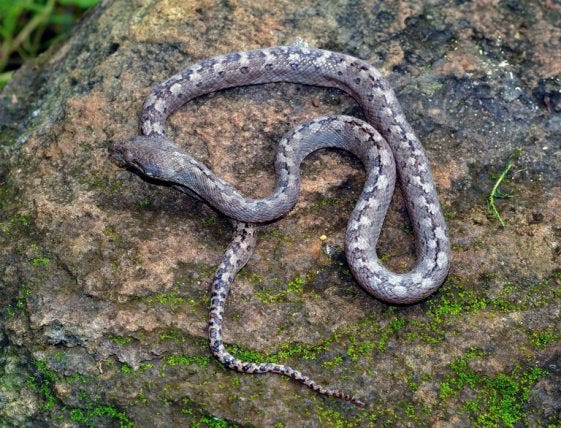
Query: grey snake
385,144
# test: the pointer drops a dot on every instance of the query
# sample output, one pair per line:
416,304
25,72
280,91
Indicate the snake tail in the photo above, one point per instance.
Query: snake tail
235,257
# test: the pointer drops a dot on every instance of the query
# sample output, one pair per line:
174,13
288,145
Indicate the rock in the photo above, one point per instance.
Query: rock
105,276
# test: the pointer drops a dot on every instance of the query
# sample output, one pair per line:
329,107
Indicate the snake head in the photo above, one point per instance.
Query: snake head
142,153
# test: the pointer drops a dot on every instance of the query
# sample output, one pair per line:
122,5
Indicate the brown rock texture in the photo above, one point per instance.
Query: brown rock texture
105,277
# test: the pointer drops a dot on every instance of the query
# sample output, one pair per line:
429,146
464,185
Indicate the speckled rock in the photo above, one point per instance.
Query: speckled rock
104,277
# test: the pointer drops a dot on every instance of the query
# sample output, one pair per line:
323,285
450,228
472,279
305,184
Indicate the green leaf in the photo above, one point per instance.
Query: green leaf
84,4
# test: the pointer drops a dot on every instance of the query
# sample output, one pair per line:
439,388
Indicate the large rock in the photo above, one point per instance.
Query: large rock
105,277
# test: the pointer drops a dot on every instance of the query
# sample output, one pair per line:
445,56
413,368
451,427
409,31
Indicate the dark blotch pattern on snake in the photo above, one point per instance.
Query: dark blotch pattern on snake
385,144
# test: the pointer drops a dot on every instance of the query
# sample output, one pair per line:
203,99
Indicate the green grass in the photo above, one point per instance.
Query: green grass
29,27
496,192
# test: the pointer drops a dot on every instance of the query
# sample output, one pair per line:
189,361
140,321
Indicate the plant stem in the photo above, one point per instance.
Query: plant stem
493,195
10,46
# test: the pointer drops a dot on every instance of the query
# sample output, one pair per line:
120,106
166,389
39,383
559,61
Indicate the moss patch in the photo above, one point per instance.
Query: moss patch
92,414
17,306
186,360
499,397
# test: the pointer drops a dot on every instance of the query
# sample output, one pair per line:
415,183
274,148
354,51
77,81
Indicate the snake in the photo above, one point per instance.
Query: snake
385,144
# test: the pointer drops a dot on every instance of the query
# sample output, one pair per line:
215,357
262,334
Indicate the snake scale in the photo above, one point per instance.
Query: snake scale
385,143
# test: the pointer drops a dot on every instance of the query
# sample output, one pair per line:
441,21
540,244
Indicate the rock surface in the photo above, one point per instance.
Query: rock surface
105,277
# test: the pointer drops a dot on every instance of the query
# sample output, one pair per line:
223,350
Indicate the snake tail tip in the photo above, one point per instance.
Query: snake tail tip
358,402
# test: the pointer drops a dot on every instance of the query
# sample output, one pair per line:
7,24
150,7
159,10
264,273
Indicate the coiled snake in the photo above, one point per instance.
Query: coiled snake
385,144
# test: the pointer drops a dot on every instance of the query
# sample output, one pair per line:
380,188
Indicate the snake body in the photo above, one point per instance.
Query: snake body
385,144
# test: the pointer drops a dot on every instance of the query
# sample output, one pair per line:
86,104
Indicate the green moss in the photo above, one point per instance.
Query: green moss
410,411
211,220
335,362
247,355
121,340
383,416
17,220
212,422
276,234
369,336
198,273
177,297
285,351
142,367
144,202
329,417
363,337
171,299
140,398
455,300
300,350
343,203
294,290
39,261
499,398
44,381
542,339
446,390
385,257
200,419
95,182
504,305
19,304
89,416
111,233
77,378
296,285
199,360
174,335
395,325
251,277
126,369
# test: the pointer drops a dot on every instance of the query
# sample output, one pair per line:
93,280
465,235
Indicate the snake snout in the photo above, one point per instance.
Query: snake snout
140,153
119,153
